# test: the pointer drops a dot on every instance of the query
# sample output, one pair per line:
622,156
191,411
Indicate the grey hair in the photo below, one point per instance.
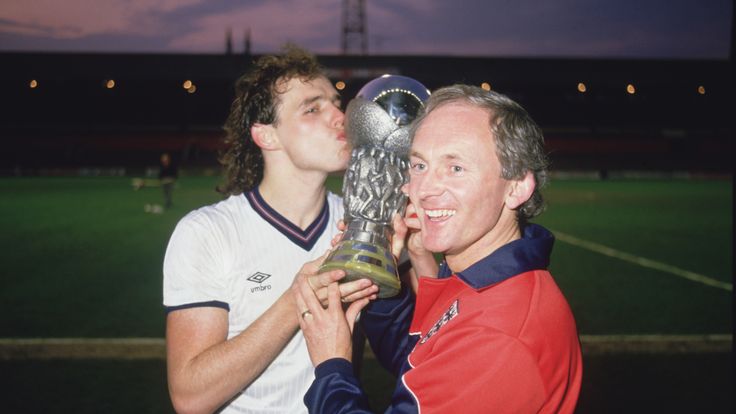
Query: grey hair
519,140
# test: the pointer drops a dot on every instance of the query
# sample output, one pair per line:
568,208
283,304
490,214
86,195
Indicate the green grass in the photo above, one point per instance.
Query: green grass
82,259
683,223
687,224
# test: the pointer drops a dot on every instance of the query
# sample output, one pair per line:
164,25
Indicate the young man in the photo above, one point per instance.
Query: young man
231,331
492,332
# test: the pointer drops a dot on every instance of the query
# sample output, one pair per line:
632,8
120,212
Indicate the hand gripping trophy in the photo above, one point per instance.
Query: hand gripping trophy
377,126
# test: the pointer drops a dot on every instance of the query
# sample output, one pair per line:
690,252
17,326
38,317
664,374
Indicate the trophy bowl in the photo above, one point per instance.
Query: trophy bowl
377,124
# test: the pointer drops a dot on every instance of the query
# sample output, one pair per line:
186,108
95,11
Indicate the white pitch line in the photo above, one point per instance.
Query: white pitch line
84,341
155,348
643,261
82,348
655,344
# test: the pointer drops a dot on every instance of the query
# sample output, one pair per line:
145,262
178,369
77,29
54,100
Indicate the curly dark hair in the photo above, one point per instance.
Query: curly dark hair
257,97
519,140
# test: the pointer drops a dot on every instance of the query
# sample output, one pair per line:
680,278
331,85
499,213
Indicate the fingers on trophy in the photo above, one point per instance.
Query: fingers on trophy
377,125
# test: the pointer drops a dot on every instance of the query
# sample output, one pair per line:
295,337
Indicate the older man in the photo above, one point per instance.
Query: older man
491,332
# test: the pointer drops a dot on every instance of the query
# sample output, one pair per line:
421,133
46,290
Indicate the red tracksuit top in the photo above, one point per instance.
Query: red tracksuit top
498,337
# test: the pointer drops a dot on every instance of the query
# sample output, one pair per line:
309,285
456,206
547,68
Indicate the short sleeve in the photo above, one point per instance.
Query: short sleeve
194,266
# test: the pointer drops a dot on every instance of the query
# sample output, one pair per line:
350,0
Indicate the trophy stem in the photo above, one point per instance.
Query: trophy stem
365,252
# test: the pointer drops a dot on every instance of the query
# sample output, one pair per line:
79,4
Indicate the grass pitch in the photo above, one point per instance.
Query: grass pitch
82,258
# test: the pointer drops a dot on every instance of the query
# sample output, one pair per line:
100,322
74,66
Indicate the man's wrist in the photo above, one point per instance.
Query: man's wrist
333,366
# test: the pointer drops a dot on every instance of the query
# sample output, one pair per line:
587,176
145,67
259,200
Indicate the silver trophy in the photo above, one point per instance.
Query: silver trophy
377,126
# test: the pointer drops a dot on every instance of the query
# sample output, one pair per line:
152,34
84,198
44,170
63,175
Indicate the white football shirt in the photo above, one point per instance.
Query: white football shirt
241,255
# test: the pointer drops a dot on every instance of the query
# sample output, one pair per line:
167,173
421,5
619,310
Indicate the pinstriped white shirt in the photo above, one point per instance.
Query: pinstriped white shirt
241,255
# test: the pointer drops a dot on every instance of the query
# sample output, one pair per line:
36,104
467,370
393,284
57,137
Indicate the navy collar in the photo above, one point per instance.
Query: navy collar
302,238
530,252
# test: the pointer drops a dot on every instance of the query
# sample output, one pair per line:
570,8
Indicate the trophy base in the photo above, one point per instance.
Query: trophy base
362,260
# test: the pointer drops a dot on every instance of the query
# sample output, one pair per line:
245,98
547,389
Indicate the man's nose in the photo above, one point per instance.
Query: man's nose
338,118
432,183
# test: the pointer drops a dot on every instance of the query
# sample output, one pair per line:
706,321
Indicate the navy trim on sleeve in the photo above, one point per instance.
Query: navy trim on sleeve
210,304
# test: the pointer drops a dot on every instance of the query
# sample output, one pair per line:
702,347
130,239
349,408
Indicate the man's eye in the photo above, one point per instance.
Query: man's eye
457,169
418,166
311,110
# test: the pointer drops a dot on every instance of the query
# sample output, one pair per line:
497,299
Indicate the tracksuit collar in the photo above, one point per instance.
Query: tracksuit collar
530,252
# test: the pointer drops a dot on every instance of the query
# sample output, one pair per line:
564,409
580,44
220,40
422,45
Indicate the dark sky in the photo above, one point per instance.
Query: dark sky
683,29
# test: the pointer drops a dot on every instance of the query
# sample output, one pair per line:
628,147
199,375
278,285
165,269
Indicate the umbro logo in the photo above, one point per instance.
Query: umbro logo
258,277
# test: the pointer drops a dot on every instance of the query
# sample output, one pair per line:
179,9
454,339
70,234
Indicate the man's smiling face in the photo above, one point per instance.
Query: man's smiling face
456,181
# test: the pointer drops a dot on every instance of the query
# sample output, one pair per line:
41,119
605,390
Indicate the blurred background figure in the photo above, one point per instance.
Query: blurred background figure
167,176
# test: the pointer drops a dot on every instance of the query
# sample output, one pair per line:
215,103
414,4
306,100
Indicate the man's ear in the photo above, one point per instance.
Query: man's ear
264,136
520,191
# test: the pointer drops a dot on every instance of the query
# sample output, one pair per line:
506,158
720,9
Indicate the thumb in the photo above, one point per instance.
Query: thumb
353,310
399,236
313,266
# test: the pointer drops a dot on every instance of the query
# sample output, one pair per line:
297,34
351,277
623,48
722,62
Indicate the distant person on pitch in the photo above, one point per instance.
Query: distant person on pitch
232,330
490,332
167,175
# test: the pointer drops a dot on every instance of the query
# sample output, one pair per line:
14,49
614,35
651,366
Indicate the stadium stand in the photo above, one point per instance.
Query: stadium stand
62,112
